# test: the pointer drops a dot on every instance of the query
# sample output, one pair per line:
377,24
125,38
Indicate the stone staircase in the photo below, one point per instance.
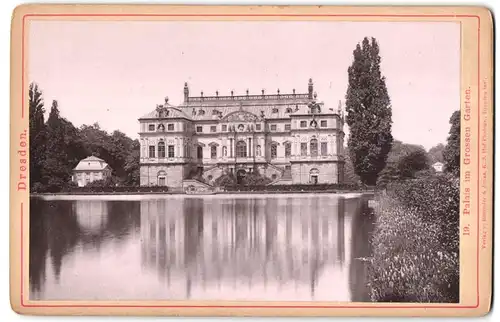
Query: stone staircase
214,171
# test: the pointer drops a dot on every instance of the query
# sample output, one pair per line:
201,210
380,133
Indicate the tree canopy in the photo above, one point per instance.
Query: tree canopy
436,153
404,161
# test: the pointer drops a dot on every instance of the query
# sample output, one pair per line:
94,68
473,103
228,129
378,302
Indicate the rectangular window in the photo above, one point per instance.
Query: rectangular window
151,127
303,123
273,127
213,128
274,151
170,127
257,127
213,152
199,129
171,151
161,150
323,123
313,148
324,148
288,127
224,128
151,151
303,149
288,149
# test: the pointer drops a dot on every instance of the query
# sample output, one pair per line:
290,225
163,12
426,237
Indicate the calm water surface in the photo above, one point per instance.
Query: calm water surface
301,247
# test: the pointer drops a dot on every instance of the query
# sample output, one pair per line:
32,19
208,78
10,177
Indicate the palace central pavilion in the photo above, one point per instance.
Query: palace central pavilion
289,138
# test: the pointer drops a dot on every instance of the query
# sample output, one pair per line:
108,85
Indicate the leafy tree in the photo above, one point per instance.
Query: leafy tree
369,114
131,166
56,170
403,162
451,154
412,163
389,174
118,150
436,153
56,147
37,136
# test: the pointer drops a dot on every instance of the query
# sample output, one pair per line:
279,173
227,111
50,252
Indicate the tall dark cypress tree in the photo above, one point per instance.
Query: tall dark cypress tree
369,113
37,136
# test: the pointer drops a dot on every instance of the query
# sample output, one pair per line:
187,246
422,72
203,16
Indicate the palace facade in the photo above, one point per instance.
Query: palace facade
289,138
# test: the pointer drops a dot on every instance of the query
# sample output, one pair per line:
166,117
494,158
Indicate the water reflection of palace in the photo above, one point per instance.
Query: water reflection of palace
227,248
246,241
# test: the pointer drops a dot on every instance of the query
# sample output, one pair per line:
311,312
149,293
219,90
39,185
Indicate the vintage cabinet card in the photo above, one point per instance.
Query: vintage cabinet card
251,160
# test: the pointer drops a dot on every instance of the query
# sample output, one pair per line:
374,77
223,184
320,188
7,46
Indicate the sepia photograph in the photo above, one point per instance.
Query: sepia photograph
244,161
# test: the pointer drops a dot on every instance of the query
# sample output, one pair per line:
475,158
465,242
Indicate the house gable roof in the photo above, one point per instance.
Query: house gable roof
91,163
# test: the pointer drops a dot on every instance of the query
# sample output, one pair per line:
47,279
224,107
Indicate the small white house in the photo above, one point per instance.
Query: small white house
90,169
438,166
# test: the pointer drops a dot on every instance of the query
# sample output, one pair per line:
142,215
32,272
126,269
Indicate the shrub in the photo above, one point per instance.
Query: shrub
415,242
227,179
436,198
107,182
255,179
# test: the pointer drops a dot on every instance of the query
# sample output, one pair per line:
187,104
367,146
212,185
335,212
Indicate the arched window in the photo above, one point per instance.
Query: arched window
161,149
199,152
213,152
288,149
241,149
314,147
201,112
161,128
274,150
288,110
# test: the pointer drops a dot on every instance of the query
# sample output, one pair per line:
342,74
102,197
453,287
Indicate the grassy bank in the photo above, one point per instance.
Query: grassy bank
416,242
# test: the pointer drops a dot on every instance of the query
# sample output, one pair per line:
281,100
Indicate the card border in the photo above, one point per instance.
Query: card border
271,306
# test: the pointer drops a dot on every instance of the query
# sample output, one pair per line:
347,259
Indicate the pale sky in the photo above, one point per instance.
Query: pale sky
115,72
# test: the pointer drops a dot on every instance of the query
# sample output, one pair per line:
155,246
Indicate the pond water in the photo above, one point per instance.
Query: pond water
283,248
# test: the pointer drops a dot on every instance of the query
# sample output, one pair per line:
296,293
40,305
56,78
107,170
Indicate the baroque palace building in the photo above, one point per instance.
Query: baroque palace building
289,138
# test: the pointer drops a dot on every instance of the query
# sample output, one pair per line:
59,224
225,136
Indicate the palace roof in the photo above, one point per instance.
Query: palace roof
264,106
